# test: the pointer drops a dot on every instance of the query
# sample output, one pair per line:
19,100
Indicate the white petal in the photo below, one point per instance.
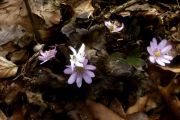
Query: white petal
152,59
78,64
87,79
81,52
90,73
166,49
164,60
168,57
160,62
150,50
162,44
108,24
73,50
72,78
79,81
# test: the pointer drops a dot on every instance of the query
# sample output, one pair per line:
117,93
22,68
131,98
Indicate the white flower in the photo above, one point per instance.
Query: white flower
77,58
114,26
159,52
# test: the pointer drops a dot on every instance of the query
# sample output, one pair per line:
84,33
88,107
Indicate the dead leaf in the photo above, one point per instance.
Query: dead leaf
9,33
138,106
172,69
100,112
19,114
2,116
138,116
35,98
7,68
84,10
19,56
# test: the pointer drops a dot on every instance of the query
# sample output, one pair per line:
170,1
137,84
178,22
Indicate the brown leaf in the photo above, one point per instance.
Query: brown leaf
18,114
2,116
19,56
84,10
172,69
100,112
139,105
7,68
138,116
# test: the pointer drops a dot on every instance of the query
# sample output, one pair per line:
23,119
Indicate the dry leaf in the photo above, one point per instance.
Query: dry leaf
7,68
172,69
9,33
100,112
2,116
19,56
138,116
84,10
139,105
19,114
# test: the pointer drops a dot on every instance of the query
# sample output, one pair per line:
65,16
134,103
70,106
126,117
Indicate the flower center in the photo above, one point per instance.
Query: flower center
157,53
79,70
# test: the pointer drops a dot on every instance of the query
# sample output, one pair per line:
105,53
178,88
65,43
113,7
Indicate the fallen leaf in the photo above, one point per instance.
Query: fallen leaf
84,10
172,69
2,116
100,112
19,56
19,114
7,68
138,116
138,106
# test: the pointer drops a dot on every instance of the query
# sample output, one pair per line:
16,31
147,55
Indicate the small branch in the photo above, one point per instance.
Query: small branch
121,7
36,33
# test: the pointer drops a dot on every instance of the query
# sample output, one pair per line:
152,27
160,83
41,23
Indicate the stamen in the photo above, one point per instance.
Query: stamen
79,70
157,53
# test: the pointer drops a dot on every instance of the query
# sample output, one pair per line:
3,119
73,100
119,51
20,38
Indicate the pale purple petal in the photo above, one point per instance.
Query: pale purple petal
150,51
107,24
43,61
90,67
167,57
79,80
153,44
160,62
166,49
72,78
152,59
68,71
164,60
87,79
90,73
162,44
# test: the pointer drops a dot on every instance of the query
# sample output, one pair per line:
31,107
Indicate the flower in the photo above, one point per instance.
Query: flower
47,55
80,73
114,26
77,59
159,52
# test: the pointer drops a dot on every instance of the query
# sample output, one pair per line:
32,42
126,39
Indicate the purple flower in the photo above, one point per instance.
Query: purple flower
47,55
114,26
159,52
80,73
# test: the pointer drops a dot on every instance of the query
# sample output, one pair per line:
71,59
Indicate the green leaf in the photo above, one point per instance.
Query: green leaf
135,61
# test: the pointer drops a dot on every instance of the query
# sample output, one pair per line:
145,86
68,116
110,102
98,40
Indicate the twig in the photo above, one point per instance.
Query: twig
36,33
121,7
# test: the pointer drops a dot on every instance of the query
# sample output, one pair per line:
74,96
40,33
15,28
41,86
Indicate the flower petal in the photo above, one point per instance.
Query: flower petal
72,78
166,49
167,57
81,51
162,44
108,24
149,50
87,79
68,71
160,62
90,73
164,60
152,59
79,81
90,67
73,50
153,44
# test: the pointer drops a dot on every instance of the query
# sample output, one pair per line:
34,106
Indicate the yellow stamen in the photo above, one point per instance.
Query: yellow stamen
157,53
79,70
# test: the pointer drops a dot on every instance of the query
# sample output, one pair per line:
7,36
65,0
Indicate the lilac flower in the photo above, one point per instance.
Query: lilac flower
47,55
114,26
77,58
159,52
80,73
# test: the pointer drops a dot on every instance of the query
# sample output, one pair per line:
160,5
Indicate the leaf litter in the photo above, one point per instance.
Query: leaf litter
125,85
